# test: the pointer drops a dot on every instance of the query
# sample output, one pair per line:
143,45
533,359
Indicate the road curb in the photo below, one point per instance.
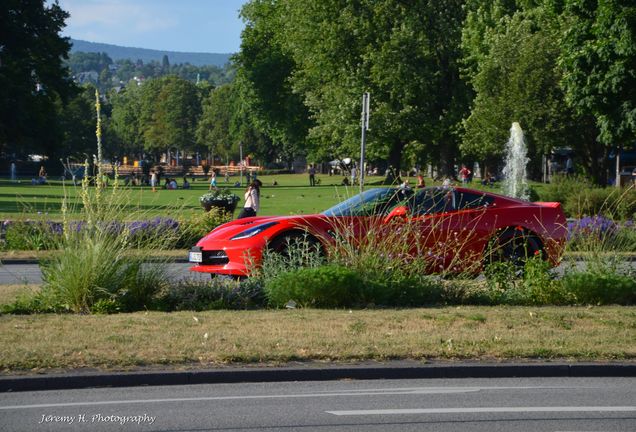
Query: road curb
279,374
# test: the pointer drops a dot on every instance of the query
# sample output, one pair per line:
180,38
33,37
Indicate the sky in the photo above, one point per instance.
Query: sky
211,26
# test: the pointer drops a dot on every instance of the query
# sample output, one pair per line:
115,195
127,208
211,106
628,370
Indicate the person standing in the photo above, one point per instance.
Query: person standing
312,175
252,200
354,174
569,166
420,181
464,174
154,179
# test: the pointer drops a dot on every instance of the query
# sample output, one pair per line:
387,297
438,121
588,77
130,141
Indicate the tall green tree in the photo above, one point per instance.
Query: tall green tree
517,80
33,77
404,53
598,59
213,129
169,112
125,119
264,69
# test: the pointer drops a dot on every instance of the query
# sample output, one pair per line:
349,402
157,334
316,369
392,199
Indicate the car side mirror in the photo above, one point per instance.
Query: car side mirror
398,213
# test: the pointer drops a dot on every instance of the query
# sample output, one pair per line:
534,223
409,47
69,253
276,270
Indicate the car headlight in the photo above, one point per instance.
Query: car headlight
253,231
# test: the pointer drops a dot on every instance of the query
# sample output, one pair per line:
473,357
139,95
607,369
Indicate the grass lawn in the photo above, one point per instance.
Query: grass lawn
39,342
292,195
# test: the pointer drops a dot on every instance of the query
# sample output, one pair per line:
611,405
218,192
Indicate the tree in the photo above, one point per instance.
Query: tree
125,121
517,80
404,53
77,122
213,130
598,59
169,112
263,80
33,78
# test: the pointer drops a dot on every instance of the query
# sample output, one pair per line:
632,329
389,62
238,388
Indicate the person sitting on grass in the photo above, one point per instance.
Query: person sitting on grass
186,184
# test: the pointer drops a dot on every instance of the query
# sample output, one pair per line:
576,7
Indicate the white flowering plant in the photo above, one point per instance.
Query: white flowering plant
220,197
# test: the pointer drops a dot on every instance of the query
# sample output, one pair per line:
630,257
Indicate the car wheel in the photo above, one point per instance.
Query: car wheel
296,245
513,246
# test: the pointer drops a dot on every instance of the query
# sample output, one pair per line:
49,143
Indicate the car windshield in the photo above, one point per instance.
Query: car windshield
372,202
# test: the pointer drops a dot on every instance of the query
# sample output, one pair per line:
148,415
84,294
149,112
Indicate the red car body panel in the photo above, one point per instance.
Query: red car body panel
464,231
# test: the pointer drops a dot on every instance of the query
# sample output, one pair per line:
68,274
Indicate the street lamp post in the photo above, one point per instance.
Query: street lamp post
241,159
366,98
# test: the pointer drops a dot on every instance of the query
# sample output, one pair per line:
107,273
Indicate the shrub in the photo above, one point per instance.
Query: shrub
533,285
327,286
392,287
561,187
599,234
600,286
219,293
31,235
609,202
31,303
333,285
221,197
196,225
96,266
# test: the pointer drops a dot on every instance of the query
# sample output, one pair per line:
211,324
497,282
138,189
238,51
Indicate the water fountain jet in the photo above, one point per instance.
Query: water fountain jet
515,182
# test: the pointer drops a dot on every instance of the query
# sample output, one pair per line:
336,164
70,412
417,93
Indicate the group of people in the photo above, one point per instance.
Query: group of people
170,183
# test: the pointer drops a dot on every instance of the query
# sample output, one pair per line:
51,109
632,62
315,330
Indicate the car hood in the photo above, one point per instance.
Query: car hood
232,228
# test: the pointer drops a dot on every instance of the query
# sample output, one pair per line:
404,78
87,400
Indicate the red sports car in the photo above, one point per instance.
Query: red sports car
453,228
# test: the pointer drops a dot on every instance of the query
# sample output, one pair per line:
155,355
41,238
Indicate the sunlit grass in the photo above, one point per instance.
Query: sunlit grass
219,337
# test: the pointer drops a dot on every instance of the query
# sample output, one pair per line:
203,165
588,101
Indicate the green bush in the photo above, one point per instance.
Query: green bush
338,286
194,226
600,287
32,303
532,286
394,287
610,202
220,293
561,187
624,239
29,235
326,286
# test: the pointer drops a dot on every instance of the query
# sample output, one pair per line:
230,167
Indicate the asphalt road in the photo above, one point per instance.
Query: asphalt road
538,404
30,273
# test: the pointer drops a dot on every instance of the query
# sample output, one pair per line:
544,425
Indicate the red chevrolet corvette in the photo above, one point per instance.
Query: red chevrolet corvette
452,227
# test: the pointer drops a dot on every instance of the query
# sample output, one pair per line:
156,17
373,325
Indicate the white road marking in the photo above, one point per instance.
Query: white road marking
483,410
281,396
348,392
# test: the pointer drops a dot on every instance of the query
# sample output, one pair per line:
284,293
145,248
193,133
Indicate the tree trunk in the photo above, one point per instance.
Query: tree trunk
395,162
447,155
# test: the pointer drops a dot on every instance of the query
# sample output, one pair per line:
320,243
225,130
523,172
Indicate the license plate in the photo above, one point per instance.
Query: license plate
196,257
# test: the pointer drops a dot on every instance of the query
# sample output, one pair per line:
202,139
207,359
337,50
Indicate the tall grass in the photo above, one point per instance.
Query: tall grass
103,265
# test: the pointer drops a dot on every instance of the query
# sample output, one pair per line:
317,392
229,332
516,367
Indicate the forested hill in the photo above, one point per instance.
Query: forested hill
117,52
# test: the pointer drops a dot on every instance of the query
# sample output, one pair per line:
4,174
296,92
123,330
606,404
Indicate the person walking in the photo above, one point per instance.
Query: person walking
252,200
212,180
312,175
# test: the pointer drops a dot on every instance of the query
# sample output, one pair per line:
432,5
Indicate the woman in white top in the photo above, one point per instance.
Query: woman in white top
252,200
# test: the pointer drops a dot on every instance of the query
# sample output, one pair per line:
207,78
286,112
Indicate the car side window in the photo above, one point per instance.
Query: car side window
432,201
467,200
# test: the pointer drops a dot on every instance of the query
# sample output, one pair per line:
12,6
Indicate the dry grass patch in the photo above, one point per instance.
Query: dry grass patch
220,337
9,293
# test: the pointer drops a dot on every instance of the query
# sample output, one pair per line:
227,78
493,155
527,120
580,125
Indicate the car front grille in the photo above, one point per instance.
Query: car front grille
215,257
